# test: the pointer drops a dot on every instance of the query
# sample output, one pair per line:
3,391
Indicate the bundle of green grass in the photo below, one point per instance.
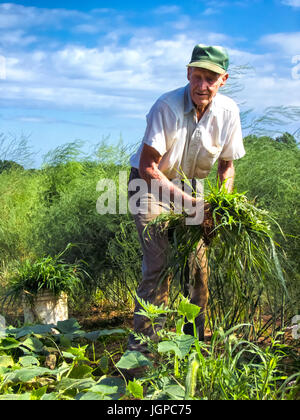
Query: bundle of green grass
240,246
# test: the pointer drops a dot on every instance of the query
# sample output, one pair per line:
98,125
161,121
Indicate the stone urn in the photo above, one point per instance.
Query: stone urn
45,308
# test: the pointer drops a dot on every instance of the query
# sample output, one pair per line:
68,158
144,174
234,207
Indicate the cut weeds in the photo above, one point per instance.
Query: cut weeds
243,257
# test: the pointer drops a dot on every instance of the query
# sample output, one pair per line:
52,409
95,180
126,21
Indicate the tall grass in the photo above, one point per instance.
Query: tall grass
44,210
16,150
20,201
274,181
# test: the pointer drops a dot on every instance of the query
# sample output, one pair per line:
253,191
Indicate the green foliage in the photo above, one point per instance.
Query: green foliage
132,360
20,201
44,210
226,368
23,364
69,215
122,263
270,173
15,152
47,273
7,165
287,139
136,389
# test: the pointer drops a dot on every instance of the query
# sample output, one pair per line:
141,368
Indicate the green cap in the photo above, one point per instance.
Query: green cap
210,57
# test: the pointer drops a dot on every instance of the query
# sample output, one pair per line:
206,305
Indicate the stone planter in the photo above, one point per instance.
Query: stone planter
45,308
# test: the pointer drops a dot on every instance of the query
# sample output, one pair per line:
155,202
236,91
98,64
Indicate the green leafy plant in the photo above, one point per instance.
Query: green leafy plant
225,368
47,273
25,373
228,367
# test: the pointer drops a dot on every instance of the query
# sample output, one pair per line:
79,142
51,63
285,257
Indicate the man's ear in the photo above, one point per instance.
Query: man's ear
189,72
224,79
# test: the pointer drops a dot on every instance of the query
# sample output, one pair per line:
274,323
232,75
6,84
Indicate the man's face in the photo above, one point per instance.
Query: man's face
204,84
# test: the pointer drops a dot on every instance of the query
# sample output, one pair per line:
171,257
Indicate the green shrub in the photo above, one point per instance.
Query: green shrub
47,273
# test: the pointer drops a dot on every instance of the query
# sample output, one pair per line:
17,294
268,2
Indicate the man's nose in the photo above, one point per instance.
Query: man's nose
202,84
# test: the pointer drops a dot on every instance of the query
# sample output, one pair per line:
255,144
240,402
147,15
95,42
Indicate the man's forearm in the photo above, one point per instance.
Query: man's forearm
176,194
157,181
226,172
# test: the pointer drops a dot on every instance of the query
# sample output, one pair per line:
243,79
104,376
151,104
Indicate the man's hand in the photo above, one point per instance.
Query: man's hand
208,224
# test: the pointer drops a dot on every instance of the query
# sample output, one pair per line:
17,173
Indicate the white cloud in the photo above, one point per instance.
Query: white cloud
125,77
181,23
293,3
166,10
16,38
289,43
31,119
210,11
128,78
18,16
87,28
264,83
262,92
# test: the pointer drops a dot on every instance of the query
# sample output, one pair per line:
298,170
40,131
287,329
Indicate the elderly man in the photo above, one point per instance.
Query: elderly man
188,130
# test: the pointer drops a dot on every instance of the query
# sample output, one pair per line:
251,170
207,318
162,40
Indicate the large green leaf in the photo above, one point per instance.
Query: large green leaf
50,397
136,389
26,374
28,361
175,392
94,335
37,394
76,353
132,360
33,344
180,345
39,329
9,343
81,371
189,310
94,396
70,326
78,384
112,386
6,361
167,347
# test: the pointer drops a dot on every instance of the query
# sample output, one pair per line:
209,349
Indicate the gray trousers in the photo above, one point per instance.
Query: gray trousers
152,289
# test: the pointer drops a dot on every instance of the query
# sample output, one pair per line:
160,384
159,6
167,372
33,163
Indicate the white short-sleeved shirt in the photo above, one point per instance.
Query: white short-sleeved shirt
187,145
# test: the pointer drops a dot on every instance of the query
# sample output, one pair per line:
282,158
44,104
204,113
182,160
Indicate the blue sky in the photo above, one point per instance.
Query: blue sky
91,69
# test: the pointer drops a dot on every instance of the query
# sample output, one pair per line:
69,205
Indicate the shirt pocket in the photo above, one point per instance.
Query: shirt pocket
209,150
